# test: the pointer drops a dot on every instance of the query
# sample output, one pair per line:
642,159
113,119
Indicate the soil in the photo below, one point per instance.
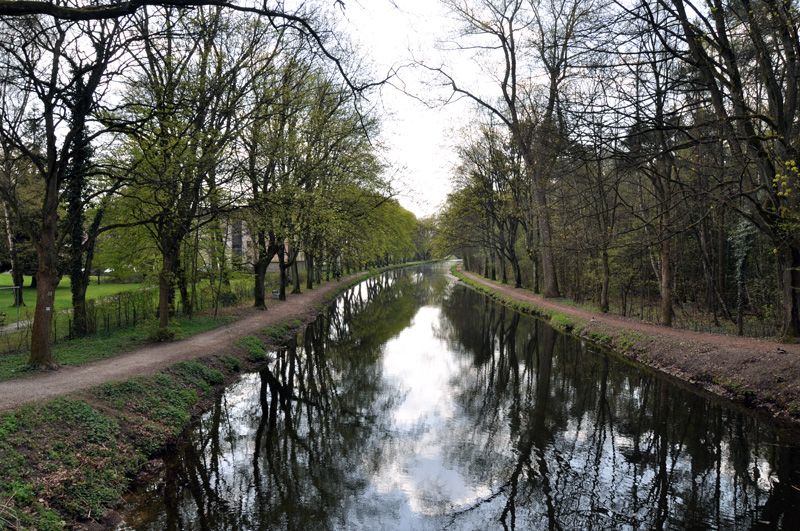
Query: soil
45,385
756,372
753,371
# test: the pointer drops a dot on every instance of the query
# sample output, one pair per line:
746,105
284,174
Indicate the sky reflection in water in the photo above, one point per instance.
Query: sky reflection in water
418,404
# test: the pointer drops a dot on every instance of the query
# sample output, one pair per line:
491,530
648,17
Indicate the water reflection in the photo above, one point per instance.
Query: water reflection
414,403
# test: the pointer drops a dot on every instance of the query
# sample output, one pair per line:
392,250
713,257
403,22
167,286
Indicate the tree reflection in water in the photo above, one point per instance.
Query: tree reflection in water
414,403
597,443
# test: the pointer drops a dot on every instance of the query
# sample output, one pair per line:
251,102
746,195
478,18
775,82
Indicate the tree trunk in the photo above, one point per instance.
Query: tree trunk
309,270
79,280
169,258
260,271
282,266
259,291
46,278
43,318
16,273
789,267
549,278
183,287
604,282
517,273
666,283
295,277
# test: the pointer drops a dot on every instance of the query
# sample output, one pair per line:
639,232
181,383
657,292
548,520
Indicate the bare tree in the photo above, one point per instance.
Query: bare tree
511,39
747,55
43,60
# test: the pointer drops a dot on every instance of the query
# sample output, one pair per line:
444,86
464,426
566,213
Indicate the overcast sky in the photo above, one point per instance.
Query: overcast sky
419,137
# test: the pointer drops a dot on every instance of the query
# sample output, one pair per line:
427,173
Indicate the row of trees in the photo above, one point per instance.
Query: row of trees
632,149
160,130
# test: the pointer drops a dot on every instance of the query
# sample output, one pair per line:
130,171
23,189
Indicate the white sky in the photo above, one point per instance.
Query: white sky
419,138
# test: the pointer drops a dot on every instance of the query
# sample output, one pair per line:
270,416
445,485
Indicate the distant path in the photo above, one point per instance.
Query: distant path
42,386
716,362
16,325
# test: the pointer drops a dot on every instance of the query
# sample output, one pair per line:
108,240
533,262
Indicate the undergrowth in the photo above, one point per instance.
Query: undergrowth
70,459
281,329
254,348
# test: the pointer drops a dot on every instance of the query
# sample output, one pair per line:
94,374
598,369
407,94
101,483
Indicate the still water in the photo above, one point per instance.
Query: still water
416,403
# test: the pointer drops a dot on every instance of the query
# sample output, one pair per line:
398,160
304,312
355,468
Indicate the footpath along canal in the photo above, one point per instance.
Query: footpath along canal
414,402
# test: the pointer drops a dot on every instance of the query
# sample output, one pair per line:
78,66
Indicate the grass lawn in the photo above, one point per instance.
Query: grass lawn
102,345
63,296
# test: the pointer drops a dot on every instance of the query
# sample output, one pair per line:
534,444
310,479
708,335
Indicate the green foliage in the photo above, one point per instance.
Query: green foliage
281,329
78,458
157,334
81,472
254,347
232,364
600,337
563,321
197,374
627,338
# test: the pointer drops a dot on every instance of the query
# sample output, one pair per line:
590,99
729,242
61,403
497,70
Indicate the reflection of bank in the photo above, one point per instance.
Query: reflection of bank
592,441
283,448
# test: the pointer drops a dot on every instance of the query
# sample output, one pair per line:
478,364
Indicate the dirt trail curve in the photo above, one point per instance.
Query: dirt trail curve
68,379
725,365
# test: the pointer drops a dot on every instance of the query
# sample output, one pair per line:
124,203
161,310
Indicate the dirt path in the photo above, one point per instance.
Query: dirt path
739,368
747,369
68,379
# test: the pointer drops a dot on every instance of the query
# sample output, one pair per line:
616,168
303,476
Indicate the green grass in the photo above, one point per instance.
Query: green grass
254,347
70,459
101,346
281,329
63,296
81,456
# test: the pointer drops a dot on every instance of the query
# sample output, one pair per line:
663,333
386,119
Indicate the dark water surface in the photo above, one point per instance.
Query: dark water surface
415,403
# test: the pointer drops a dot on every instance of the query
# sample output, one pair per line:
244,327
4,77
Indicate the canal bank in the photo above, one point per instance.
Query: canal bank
755,373
65,462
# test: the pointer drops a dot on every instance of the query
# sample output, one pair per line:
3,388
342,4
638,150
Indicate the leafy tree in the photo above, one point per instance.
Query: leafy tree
192,75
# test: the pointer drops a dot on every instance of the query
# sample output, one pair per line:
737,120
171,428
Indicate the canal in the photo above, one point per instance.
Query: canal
416,403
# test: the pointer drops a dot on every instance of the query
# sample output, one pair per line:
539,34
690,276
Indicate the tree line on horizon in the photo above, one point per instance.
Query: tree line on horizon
140,140
639,155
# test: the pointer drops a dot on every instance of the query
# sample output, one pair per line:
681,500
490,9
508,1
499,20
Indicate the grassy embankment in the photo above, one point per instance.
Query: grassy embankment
71,459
